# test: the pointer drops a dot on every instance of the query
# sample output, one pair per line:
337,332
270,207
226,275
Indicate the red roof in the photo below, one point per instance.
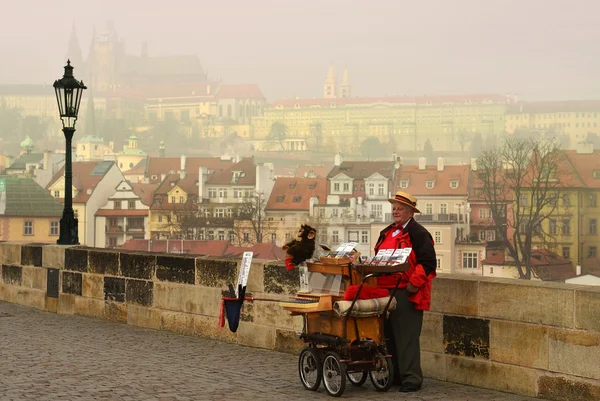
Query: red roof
164,165
225,176
145,192
290,193
585,165
417,180
208,248
407,100
85,178
546,265
242,91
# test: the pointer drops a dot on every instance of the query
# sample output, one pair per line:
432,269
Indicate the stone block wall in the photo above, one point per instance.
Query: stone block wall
531,338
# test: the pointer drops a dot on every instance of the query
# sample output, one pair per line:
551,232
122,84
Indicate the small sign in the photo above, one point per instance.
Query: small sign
244,270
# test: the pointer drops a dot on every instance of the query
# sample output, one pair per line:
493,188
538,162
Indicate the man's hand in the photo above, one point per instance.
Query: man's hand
411,288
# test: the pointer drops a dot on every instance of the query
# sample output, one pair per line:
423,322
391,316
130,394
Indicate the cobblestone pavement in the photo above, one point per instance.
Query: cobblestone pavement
45,356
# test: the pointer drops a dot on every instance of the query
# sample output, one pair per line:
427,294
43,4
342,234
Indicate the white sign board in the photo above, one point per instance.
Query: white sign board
244,270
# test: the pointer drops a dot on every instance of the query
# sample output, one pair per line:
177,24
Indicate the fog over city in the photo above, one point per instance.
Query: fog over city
238,121
542,50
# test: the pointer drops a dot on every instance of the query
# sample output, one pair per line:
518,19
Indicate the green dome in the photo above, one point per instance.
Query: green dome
27,143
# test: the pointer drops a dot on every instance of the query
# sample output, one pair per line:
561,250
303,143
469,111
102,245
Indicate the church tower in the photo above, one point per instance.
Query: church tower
106,54
330,88
345,89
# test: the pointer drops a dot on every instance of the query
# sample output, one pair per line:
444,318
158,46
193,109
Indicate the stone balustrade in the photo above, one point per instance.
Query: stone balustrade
530,338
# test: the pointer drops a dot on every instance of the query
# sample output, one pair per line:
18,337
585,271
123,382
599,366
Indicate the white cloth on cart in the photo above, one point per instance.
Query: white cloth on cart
364,307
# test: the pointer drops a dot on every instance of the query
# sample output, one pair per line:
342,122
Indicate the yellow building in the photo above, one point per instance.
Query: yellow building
27,212
131,155
341,123
574,119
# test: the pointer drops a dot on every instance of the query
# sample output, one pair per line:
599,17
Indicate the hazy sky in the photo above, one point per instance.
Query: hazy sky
541,49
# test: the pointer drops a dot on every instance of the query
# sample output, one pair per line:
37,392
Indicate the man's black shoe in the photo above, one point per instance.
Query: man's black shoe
409,388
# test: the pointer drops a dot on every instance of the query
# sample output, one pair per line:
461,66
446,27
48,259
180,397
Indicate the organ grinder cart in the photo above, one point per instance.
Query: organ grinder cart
344,338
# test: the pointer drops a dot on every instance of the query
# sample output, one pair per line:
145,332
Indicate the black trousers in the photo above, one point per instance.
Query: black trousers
402,331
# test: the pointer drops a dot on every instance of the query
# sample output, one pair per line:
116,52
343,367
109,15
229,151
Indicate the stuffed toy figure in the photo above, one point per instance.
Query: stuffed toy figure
301,248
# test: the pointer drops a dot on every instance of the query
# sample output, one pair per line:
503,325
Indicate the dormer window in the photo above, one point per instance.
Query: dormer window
597,174
312,186
454,184
429,184
293,185
297,199
280,198
403,184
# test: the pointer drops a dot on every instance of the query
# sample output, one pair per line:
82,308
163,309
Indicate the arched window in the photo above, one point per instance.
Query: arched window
248,111
220,111
241,109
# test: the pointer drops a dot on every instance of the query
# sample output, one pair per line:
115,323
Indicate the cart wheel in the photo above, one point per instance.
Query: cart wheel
357,379
334,374
382,376
310,369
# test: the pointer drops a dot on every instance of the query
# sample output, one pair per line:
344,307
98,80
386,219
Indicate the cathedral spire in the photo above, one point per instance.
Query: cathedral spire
329,89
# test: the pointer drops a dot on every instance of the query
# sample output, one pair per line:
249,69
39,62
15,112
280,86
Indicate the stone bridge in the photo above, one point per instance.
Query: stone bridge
533,339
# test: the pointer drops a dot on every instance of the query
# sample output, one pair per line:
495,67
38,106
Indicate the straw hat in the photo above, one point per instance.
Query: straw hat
407,199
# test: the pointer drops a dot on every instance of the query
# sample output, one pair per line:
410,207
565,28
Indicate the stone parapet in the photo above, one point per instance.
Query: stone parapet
531,338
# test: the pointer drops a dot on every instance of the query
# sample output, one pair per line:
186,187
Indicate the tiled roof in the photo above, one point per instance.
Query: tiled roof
585,165
188,184
359,170
404,100
208,248
24,159
86,175
290,193
138,169
555,107
417,180
145,192
24,197
546,265
163,165
178,90
242,91
319,171
224,176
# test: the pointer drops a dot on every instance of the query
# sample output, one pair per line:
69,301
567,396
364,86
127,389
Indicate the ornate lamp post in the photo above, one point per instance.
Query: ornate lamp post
68,96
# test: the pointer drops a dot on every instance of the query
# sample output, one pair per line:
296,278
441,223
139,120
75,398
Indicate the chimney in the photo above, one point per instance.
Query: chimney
208,89
182,162
473,164
162,177
181,174
47,157
440,164
422,163
311,205
202,174
578,270
339,159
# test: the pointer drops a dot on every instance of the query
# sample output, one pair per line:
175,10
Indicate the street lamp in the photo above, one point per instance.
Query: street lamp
68,96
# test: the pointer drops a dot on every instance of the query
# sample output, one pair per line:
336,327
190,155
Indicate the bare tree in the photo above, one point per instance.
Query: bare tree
185,223
251,225
522,187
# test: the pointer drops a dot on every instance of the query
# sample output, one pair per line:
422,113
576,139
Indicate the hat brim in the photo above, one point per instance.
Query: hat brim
394,200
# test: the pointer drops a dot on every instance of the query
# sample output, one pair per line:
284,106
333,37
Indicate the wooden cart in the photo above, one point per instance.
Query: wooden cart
341,348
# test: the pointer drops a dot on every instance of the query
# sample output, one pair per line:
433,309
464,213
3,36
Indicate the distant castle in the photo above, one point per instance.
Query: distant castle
331,89
108,67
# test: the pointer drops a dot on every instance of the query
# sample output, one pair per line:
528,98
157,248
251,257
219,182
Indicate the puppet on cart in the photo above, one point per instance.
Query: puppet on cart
301,248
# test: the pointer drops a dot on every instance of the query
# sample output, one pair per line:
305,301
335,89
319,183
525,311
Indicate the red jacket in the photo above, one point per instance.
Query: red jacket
422,262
